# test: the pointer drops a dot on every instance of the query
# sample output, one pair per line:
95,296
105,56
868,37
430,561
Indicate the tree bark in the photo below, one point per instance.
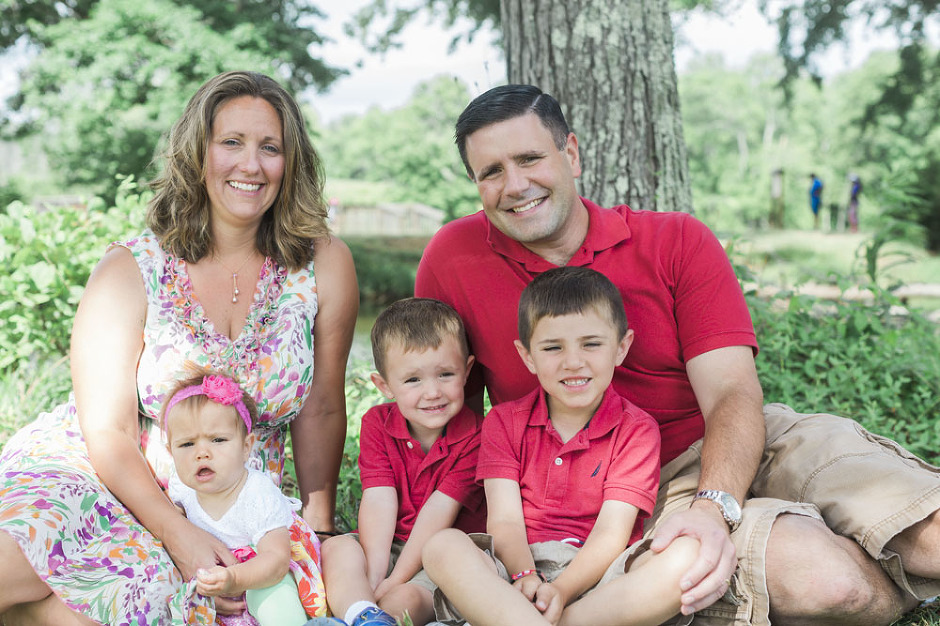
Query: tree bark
610,65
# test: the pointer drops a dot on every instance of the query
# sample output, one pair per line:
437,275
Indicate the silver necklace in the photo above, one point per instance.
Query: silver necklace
235,290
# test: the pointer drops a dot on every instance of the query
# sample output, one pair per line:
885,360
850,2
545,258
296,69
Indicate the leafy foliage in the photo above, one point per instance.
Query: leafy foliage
282,26
363,25
856,360
411,146
107,87
385,268
807,27
50,255
111,77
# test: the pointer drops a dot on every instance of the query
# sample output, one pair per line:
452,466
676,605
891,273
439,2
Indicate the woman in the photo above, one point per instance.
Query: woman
235,265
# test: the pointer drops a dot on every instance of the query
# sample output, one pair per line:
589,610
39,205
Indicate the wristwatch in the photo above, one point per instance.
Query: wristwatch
730,509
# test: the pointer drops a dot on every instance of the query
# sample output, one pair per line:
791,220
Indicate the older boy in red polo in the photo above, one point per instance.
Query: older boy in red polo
569,472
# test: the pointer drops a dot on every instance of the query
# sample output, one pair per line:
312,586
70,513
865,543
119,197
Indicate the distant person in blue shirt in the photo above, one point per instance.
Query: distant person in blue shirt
815,198
853,202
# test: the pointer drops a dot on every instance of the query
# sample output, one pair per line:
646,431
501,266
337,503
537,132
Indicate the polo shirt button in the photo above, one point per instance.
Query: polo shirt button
409,444
558,461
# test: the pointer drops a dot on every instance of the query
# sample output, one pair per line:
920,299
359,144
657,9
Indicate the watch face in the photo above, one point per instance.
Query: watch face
730,505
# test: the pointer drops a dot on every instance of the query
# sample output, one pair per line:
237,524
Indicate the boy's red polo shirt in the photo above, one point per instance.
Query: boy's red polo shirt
390,457
563,485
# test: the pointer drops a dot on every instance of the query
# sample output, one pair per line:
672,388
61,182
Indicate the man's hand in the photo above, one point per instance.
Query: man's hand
550,601
708,578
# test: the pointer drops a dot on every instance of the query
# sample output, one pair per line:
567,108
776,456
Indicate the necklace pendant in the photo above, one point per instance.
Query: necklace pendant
235,291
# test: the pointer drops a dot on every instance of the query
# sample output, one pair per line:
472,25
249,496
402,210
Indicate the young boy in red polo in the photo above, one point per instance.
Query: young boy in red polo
569,472
417,462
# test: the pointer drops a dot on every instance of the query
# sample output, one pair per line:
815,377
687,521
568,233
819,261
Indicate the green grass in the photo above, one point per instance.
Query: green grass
790,257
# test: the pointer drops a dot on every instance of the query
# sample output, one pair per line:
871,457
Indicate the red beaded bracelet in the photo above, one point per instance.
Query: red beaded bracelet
523,574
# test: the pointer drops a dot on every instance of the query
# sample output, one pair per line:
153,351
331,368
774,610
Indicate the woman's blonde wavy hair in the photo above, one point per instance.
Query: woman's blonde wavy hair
179,212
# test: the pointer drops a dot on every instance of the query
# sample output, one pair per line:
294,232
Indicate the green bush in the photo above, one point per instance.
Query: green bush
50,255
385,267
862,361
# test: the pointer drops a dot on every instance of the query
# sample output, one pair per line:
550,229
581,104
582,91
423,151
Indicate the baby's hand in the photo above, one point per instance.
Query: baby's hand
218,581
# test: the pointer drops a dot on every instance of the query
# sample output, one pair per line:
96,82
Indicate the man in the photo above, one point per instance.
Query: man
692,368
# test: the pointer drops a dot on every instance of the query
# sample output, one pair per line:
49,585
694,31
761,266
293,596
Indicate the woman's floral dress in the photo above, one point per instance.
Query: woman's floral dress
80,539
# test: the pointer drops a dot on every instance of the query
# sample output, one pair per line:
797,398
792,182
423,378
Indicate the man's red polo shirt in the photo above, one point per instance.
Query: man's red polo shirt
679,291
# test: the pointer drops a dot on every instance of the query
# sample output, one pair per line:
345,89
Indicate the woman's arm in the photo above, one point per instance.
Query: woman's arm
107,340
319,432
269,565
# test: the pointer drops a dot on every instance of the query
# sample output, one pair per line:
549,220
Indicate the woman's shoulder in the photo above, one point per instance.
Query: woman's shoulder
144,244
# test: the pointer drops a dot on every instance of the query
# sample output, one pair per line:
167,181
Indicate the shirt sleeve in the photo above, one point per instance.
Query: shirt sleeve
635,469
710,309
460,482
375,467
268,508
498,459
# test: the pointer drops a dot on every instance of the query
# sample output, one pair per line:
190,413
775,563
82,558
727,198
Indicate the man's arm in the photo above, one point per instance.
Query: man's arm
730,397
439,512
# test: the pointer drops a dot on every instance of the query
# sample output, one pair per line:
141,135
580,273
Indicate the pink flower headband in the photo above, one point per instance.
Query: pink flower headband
218,389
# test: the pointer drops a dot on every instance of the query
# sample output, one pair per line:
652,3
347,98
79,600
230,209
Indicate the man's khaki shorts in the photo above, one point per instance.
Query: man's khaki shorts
861,485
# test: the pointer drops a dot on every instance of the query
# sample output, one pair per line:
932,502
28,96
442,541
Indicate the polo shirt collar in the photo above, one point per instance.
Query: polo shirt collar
608,415
606,229
458,428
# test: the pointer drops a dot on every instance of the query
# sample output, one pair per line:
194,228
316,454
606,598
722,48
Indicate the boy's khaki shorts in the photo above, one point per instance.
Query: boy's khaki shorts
421,579
861,485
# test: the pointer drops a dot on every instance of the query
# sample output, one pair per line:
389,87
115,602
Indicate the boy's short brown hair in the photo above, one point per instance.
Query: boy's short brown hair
569,290
416,324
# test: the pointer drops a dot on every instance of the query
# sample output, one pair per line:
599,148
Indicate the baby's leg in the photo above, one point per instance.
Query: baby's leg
277,605
469,579
648,593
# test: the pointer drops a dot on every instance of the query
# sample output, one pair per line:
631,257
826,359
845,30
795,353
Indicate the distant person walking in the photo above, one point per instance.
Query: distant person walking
854,191
815,198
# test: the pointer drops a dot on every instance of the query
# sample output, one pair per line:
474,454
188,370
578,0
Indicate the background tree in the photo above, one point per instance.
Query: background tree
411,146
108,77
808,27
611,66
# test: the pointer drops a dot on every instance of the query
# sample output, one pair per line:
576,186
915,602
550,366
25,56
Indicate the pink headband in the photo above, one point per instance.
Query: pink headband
218,389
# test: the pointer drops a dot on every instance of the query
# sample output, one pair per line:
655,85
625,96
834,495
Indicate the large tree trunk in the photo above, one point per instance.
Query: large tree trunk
610,66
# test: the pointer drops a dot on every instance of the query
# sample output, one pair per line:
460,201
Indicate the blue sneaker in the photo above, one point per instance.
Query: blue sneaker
374,616
326,621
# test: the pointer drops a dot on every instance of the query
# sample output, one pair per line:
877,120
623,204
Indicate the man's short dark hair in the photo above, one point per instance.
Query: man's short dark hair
504,103
566,291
